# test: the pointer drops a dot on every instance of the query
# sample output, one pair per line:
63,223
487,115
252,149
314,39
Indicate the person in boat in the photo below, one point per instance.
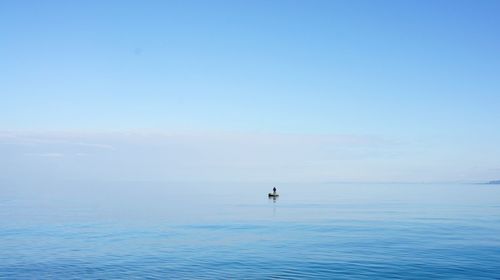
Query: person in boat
274,190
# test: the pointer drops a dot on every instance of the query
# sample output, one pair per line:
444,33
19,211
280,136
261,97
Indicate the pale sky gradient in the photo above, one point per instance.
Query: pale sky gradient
250,90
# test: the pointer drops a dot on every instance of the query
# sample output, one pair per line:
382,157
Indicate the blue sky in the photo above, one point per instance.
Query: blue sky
415,82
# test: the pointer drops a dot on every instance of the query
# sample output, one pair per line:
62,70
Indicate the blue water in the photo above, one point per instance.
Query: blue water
218,231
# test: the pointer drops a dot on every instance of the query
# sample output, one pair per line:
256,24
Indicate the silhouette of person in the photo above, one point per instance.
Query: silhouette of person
274,190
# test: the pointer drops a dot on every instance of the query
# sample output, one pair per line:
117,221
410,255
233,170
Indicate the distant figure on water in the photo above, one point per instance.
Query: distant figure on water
274,194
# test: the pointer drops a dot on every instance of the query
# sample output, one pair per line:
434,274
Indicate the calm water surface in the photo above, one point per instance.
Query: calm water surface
220,231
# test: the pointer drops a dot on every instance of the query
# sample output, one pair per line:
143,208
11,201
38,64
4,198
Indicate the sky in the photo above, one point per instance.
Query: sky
268,91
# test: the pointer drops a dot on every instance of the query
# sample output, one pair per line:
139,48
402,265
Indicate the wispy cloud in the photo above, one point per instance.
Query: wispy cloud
47,155
201,155
65,139
226,156
95,145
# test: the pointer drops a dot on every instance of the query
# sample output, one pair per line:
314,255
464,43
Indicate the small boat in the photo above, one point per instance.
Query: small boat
273,195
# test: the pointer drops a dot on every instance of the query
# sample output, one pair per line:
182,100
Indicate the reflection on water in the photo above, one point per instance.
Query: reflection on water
225,231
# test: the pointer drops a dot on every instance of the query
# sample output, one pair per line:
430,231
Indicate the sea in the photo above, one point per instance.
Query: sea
158,230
